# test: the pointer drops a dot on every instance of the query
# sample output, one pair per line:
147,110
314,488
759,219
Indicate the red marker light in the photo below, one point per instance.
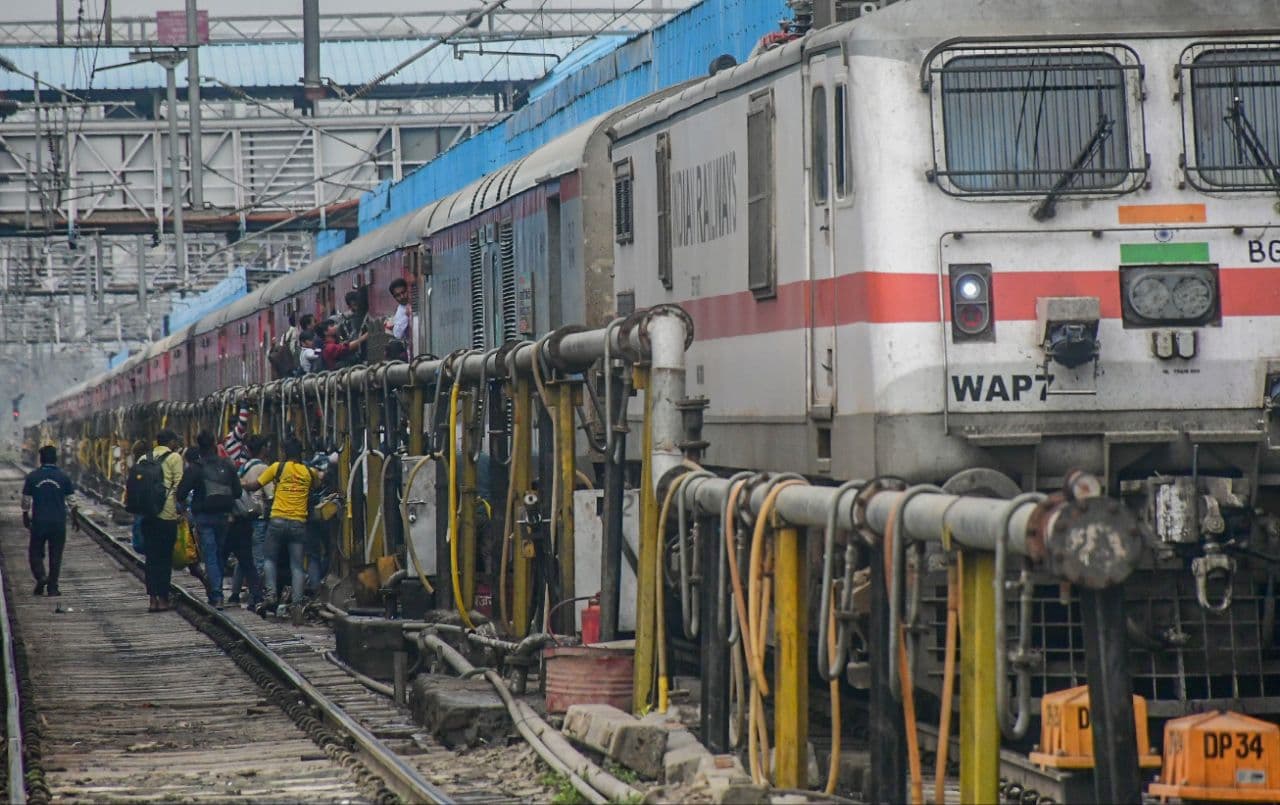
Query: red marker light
971,318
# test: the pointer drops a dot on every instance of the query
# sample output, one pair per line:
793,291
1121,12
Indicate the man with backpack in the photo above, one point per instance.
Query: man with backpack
44,513
150,492
290,510
214,487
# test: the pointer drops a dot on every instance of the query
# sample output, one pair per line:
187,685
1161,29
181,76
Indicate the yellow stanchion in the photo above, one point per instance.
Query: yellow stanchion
791,633
467,490
979,722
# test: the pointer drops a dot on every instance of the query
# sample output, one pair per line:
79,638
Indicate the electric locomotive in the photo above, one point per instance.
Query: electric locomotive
1018,236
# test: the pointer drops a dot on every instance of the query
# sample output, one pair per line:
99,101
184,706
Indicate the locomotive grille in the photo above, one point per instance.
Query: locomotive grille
1230,659
507,256
477,293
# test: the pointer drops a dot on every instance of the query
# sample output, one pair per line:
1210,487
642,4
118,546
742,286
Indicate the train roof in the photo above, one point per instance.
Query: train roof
929,22
295,281
382,241
910,29
696,92
244,306
562,155
168,342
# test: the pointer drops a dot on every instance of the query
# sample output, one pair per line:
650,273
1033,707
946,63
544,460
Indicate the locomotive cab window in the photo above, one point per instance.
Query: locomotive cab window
841,131
818,144
1232,125
1022,121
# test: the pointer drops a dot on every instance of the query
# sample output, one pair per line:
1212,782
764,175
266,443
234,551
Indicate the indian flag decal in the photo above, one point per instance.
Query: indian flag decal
1155,253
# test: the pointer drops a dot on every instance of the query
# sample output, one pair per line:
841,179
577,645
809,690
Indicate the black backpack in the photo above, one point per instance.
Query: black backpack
218,486
145,492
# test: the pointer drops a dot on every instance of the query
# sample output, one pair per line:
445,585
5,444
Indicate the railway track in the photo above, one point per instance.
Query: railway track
117,703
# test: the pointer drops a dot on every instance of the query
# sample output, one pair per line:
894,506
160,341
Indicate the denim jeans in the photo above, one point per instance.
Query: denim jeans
240,543
139,544
292,533
258,543
211,529
317,563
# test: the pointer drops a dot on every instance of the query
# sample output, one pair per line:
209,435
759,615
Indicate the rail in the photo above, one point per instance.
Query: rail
14,748
402,779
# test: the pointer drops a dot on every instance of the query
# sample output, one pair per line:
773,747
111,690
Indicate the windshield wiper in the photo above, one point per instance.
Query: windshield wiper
1101,133
1246,135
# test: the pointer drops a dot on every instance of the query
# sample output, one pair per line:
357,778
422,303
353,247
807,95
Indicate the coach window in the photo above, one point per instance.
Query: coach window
1023,121
818,149
761,262
841,131
1234,117
623,222
662,162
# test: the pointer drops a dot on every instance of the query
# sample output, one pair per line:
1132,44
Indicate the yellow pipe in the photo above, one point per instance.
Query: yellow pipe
948,677
565,448
979,722
453,504
790,628
417,439
467,505
647,572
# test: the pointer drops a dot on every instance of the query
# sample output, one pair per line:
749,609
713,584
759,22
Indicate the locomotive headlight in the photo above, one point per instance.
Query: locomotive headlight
971,318
969,287
1192,297
1153,296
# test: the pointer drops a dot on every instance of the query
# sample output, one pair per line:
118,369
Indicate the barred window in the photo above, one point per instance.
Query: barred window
1235,118
1028,122
761,260
662,162
623,217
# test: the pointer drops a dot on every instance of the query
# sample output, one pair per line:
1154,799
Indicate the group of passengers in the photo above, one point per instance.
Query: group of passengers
238,503
340,341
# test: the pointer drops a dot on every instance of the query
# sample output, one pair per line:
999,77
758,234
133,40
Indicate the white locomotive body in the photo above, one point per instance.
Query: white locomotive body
895,156
1022,236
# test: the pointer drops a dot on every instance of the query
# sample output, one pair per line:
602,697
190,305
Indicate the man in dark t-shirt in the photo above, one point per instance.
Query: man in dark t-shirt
44,512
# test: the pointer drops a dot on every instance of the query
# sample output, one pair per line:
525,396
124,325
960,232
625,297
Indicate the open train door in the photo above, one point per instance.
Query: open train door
824,147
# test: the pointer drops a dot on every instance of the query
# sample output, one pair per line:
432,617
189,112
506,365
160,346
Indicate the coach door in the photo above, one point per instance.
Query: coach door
825,118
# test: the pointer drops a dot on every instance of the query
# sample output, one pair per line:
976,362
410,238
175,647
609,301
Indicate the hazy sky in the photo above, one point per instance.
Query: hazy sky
47,9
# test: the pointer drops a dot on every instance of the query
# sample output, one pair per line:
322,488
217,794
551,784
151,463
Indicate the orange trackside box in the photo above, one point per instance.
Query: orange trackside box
1066,737
1226,757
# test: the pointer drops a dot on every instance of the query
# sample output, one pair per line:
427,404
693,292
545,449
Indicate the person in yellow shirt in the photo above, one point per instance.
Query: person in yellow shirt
289,510
160,532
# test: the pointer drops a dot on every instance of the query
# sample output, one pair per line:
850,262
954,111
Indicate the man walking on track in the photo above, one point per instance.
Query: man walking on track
150,492
44,512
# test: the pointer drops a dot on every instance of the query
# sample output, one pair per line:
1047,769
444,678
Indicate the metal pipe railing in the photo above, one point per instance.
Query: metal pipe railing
1085,538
